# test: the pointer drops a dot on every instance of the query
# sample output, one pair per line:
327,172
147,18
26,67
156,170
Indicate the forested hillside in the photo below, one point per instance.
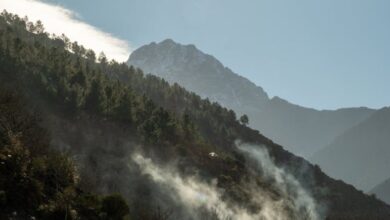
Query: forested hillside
38,182
169,153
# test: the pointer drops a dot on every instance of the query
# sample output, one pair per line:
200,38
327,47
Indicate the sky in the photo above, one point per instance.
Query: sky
315,53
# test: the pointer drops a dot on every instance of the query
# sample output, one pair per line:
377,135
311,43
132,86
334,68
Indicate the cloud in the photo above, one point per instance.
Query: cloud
59,20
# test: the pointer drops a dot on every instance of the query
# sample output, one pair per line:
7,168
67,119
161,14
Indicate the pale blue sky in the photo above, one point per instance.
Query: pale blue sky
324,54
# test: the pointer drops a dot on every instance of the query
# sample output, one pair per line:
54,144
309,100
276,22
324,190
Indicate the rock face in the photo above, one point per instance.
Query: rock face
302,130
198,72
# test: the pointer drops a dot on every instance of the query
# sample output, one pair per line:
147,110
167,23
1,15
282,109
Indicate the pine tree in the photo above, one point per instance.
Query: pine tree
244,119
95,100
124,111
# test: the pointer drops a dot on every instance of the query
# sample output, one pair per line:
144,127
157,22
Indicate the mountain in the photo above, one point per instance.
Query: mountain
198,72
166,151
302,130
382,191
360,155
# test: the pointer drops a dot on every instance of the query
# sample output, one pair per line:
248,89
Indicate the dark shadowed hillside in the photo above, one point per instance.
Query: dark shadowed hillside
36,180
302,130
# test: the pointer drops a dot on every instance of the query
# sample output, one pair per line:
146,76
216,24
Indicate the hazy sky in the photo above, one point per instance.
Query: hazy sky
316,53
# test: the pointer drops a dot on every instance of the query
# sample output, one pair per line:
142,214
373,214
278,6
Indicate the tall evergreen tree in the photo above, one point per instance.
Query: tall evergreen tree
95,100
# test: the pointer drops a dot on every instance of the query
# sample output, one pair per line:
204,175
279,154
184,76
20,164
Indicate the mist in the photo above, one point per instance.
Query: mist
293,193
194,194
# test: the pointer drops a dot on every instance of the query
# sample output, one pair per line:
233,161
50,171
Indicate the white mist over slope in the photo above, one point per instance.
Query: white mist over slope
59,20
302,202
195,194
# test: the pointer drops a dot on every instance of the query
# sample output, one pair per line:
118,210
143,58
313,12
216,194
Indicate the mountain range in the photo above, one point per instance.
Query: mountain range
382,191
360,155
351,144
302,130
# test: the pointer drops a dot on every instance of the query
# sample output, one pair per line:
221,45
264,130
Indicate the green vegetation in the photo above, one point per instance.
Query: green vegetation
36,181
244,119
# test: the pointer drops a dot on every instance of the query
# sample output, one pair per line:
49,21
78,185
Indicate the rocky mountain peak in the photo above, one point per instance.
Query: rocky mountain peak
198,72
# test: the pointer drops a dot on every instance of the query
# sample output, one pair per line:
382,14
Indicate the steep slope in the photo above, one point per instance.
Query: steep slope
301,130
160,145
382,191
361,155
